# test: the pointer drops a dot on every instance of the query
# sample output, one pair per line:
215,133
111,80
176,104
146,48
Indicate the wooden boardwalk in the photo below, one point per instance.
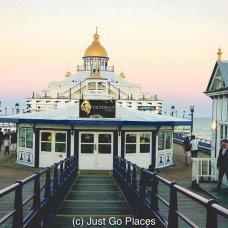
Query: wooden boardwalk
93,196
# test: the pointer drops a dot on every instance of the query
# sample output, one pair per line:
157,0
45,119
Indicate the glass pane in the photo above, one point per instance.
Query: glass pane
29,138
101,86
168,140
60,147
60,137
46,136
92,86
144,138
87,138
130,138
221,131
144,148
130,148
87,148
45,146
21,137
161,138
104,138
104,149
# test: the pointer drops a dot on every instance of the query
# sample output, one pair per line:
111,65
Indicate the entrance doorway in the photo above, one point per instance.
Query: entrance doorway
96,151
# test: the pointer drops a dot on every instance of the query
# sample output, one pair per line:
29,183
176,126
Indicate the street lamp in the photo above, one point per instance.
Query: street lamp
12,110
0,106
183,114
38,108
172,110
176,113
192,109
17,108
5,111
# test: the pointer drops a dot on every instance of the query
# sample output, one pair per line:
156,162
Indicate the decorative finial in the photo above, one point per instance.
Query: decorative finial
122,75
219,55
68,74
96,36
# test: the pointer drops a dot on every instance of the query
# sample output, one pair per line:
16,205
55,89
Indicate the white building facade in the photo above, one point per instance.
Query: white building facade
95,79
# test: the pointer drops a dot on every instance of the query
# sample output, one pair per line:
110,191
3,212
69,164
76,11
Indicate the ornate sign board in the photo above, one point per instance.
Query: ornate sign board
97,109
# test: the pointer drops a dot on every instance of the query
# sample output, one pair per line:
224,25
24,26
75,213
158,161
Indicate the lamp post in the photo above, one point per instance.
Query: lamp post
183,114
172,110
5,111
13,111
17,108
0,106
176,113
192,109
38,108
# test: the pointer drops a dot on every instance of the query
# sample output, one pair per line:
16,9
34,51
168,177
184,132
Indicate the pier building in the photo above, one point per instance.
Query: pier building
95,115
217,90
92,80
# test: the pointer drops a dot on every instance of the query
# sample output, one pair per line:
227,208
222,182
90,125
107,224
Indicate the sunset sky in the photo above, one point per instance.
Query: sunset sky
169,47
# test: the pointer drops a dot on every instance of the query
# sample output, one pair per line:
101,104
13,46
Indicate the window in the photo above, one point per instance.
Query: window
87,143
145,143
130,143
26,137
60,142
92,86
165,139
138,143
104,144
53,141
46,141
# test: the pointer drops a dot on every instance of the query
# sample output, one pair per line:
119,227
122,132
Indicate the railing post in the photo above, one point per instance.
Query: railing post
36,191
61,172
142,183
211,215
47,193
173,217
154,189
134,182
55,181
129,171
18,215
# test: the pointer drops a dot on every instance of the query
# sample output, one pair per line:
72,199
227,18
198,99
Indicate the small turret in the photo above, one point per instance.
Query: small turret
219,55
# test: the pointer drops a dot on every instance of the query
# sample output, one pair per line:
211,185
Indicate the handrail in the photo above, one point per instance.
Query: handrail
44,206
141,191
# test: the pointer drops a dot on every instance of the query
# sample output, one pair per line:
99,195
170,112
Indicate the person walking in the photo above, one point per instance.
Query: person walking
194,146
187,150
222,163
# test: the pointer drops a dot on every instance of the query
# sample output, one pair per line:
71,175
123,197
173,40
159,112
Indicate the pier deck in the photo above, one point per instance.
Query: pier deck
94,196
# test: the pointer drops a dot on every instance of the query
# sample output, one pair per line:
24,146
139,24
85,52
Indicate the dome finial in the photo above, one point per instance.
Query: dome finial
96,36
219,55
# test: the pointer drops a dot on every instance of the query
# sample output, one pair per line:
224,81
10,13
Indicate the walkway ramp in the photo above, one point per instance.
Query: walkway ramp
94,195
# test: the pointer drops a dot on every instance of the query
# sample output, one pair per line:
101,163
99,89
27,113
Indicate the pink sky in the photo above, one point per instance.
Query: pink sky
169,47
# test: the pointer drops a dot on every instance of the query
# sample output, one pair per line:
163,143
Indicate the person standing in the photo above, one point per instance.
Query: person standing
187,150
1,138
6,144
194,146
14,142
222,163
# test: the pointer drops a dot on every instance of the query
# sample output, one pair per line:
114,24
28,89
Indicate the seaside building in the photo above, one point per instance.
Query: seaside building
94,79
96,115
217,90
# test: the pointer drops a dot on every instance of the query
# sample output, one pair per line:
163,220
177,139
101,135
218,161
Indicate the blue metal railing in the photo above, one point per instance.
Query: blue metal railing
45,199
140,188
204,144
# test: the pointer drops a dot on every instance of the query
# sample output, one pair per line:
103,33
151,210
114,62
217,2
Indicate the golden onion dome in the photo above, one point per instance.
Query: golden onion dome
122,75
68,74
96,49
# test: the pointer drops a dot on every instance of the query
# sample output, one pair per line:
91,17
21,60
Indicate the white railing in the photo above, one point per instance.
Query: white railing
203,168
